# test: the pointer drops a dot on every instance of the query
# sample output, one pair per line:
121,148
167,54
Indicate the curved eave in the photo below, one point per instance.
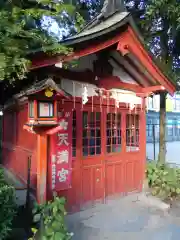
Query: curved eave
98,31
22,96
89,49
130,44
40,86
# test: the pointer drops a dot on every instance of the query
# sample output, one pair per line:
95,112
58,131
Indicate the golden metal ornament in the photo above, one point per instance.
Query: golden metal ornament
49,92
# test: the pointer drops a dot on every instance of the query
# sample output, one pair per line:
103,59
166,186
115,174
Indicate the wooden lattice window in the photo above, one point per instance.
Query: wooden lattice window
132,132
113,132
74,132
91,133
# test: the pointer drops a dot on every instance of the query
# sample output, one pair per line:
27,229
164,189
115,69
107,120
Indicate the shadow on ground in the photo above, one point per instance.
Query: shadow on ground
132,217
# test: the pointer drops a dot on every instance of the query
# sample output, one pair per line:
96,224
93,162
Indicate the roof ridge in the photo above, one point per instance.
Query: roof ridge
110,7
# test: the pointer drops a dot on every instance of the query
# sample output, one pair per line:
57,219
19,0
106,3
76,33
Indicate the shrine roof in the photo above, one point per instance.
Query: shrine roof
42,85
99,27
104,31
108,26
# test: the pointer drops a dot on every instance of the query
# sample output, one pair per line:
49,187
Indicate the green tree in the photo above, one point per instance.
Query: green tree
159,21
161,29
7,207
25,28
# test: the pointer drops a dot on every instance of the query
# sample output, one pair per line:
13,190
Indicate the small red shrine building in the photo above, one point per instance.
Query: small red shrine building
84,126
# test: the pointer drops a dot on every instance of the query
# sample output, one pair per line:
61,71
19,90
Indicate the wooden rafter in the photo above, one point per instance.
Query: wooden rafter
129,43
142,70
128,68
106,82
116,82
45,61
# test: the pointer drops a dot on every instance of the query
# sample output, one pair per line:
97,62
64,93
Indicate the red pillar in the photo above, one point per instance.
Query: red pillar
41,168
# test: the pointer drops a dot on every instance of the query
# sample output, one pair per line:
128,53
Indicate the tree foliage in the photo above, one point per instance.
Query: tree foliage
7,207
160,25
159,21
51,219
87,8
25,28
163,180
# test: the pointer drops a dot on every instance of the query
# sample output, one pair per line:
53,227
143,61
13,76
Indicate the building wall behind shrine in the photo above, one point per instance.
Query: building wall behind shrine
18,144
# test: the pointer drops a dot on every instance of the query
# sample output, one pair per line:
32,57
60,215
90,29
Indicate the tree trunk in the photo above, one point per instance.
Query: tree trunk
162,129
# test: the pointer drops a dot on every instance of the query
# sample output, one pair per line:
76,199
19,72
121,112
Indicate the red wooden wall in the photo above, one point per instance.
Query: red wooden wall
98,177
18,144
93,177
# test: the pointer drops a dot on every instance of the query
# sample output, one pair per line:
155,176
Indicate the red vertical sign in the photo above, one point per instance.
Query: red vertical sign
61,153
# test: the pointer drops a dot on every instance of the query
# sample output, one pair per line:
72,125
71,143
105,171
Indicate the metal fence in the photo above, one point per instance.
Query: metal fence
170,164
152,136
172,133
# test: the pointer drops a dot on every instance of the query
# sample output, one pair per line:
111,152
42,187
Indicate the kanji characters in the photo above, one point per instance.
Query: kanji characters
53,158
62,175
60,172
64,124
60,114
67,114
53,175
62,156
63,139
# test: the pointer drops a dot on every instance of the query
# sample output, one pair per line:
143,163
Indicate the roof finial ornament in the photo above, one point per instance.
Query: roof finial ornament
109,8
112,6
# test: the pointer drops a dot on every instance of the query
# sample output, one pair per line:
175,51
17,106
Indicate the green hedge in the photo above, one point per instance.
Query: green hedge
7,207
163,180
51,219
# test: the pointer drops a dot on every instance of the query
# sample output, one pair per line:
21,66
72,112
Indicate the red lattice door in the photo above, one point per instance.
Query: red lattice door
111,156
114,161
92,155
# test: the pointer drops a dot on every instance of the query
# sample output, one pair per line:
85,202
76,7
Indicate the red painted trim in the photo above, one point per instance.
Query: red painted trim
41,168
54,130
84,76
115,82
55,110
35,110
130,43
153,89
89,77
123,48
107,83
44,62
28,128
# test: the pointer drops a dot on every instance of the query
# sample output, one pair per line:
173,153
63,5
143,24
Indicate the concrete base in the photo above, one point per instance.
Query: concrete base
135,216
154,202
